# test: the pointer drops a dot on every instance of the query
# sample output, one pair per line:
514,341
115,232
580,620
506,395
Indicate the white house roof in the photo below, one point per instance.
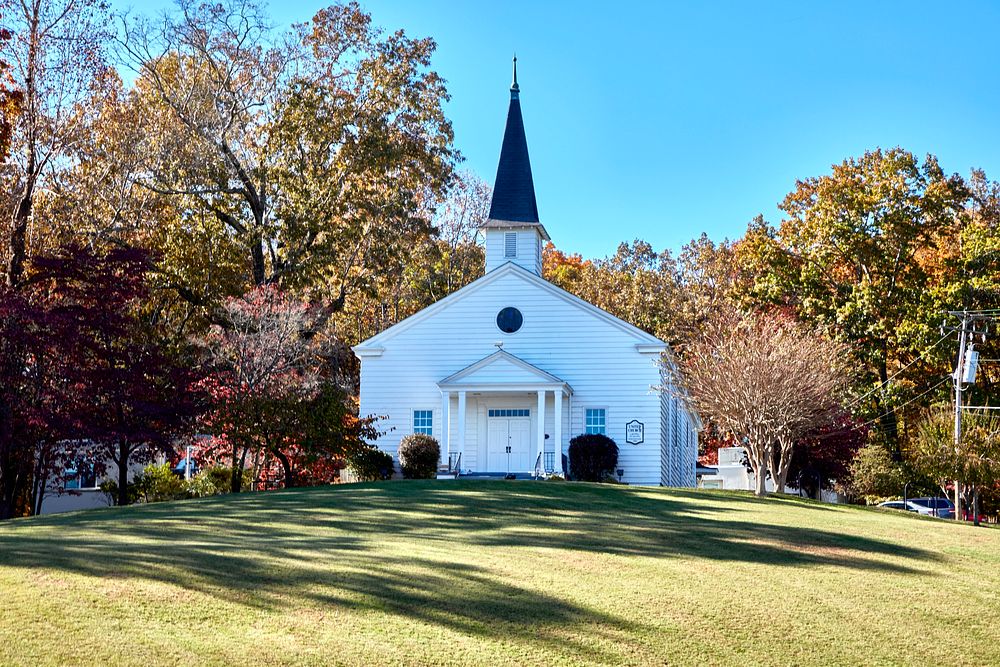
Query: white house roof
645,342
502,369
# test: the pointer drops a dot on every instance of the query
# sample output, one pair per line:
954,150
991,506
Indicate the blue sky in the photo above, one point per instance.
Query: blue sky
662,120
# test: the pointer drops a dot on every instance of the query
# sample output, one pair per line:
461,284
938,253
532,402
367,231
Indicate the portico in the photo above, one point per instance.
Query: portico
502,414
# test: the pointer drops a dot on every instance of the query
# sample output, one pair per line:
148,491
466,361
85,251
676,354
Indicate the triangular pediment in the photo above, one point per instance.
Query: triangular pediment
376,342
500,368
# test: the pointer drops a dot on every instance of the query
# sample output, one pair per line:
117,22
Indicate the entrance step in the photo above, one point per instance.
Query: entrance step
497,475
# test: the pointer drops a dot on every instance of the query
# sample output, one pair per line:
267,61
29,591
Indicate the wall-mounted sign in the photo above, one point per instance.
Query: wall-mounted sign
635,432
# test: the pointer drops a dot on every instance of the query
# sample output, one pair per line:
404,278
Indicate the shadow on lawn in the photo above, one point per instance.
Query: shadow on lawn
320,544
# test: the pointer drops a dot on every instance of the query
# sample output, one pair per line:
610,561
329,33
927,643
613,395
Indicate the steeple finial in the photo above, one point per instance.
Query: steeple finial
514,88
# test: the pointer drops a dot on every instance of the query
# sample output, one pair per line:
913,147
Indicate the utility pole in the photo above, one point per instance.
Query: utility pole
973,328
959,368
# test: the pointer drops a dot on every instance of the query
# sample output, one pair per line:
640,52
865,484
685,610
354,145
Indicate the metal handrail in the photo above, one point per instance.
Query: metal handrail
539,469
455,463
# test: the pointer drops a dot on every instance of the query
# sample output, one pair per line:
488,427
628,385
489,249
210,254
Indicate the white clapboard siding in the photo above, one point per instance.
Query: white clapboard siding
529,249
594,354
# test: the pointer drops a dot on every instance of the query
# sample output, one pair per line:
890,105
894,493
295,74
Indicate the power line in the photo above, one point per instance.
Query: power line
872,422
898,407
897,373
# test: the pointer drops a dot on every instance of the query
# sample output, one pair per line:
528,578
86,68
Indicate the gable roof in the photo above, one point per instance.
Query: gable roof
513,189
648,341
501,367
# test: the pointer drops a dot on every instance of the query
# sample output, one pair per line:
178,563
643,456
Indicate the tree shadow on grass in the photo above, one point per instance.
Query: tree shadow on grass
321,545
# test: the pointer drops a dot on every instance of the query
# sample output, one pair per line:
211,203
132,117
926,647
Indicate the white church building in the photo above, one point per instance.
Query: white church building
505,371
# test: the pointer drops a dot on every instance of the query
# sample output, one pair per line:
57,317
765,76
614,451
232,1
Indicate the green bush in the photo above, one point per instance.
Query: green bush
110,489
202,485
592,457
370,464
157,483
874,475
217,479
419,455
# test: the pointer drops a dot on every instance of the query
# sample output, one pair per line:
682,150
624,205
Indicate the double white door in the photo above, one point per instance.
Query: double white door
509,444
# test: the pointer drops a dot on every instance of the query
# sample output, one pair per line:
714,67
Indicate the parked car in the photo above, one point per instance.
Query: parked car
898,505
939,507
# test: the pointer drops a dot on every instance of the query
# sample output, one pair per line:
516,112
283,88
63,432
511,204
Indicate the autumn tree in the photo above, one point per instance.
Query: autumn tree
315,151
275,388
132,399
31,396
848,258
440,262
822,459
81,376
763,378
56,55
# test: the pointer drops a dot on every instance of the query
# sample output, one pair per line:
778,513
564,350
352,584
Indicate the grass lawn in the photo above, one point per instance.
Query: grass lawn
497,573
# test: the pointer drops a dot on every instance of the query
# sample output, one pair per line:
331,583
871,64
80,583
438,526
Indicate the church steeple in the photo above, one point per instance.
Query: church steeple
513,190
513,232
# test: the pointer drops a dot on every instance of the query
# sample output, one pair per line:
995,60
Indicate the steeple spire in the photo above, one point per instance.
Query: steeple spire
514,88
513,190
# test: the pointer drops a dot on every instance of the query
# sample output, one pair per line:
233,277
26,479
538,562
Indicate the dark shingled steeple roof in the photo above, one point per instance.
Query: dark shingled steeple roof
514,191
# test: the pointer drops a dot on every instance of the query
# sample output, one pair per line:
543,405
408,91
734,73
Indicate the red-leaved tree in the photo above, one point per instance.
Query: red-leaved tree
275,390
133,395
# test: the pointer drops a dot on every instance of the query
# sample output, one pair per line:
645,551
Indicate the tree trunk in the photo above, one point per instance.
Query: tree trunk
258,266
122,461
17,246
888,419
784,459
238,463
39,480
286,465
975,504
958,500
761,482
759,464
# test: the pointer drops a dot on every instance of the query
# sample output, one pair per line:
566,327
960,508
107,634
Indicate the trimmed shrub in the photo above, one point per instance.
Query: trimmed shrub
418,456
370,464
592,457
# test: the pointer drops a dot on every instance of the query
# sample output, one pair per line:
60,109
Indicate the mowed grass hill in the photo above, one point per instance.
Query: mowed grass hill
497,573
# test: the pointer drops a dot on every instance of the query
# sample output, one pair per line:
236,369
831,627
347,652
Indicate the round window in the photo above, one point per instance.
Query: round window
509,320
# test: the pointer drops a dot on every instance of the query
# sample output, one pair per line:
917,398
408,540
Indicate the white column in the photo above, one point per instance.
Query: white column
541,428
461,425
557,432
445,423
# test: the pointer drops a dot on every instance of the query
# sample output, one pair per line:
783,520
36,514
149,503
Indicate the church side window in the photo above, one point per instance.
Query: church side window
597,421
423,422
510,244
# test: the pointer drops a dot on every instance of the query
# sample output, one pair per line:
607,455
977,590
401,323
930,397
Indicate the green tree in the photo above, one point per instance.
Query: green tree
974,461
